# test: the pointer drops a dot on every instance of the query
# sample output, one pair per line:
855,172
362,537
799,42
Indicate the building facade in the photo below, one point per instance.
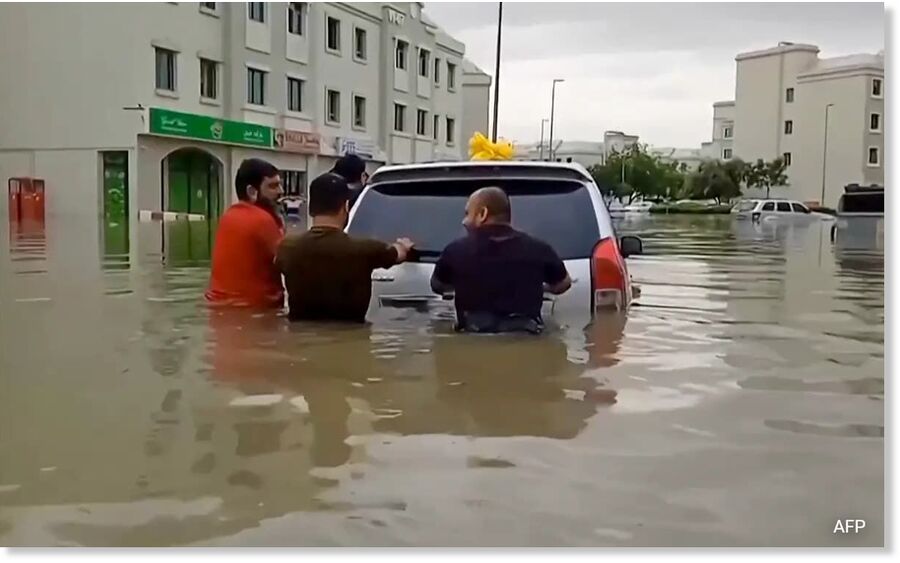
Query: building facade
154,106
787,101
586,153
476,103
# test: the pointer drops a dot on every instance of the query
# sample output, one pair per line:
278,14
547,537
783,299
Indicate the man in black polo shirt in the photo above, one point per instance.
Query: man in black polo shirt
497,273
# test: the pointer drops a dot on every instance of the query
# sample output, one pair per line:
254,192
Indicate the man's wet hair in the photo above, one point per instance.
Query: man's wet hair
252,172
496,201
328,194
350,167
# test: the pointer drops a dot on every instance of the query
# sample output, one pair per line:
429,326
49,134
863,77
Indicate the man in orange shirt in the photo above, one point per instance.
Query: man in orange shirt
243,257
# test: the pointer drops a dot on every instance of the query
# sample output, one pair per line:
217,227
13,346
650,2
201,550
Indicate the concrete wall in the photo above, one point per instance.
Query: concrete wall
846,140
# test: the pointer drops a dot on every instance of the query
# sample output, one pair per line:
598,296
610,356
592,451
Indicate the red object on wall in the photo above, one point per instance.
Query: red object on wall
26,199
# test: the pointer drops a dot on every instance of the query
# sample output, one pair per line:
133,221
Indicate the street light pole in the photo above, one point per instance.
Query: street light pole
552,112
824,155
497,73
541,149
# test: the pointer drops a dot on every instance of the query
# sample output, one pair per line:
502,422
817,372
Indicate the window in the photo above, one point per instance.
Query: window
876,87
257,11
799,208
207,6
436,125
784,207
727,132
726,153
424,62
332,34
400,54
437,71
451,76
399,117
295,94
359,43
209,83
359,112
296,17
789,95
786,157
256,86
165,70
558,212
788,127
451,130
332,106
421,122
873,156
769,206
294,182
875,122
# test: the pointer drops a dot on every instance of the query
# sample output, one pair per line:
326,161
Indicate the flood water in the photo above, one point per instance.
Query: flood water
739,403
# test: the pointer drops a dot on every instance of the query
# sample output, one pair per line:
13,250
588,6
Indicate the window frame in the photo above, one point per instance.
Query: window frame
402,114
328,119
264,76
877,115
263,14
877,162
788,158
303,15
436,76
204,79
354,97
789,95
209,11
450,133
788,126
436,127
729,155
880,82
356,44
171,71
803,209
328,49
405,60
427,62
301,87
727,131
451,76
765,203
780,204
423,114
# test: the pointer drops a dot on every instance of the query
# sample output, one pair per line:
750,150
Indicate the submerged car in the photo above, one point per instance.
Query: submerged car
775,209
555,202
860,219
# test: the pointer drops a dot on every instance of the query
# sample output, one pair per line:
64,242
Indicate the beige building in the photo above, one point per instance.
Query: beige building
586,153
476,85
152,106
782,98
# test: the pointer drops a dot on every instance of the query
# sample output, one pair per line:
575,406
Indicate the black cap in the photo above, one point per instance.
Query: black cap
328,194
351,167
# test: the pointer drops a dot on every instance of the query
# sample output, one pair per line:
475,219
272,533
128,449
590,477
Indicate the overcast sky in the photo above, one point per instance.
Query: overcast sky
651,69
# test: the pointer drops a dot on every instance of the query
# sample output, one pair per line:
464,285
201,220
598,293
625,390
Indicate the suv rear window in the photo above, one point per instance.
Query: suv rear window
430,213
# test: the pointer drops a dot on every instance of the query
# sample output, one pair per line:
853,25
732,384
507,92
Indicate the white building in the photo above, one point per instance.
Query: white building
586,153
476,86
691,158
783,96
160,102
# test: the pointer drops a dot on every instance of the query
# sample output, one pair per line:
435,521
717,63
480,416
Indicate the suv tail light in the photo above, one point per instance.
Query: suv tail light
608,276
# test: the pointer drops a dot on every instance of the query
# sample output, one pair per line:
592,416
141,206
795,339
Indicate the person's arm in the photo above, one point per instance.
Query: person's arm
442,277
556,277
381,255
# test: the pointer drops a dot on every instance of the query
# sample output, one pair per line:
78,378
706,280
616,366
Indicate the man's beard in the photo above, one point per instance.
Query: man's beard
271,207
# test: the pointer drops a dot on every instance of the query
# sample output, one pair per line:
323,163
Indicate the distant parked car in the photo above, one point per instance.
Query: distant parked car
775,209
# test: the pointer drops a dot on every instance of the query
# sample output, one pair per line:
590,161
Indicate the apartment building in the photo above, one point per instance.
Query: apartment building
158,103
788,100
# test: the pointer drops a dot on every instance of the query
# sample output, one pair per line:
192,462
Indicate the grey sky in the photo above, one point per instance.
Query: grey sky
652,69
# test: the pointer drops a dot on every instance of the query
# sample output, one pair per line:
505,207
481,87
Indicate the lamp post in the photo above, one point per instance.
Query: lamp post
541,149
552,111
497,73
825,154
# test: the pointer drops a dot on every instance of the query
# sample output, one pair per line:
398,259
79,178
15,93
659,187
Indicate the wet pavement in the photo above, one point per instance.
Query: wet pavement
739,403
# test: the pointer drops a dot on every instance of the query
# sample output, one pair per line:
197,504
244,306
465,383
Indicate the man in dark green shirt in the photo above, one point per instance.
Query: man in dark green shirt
327,273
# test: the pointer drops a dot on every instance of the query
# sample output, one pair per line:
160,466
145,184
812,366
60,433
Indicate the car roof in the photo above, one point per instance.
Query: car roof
473,168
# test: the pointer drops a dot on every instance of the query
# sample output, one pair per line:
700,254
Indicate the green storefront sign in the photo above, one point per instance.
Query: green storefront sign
202,127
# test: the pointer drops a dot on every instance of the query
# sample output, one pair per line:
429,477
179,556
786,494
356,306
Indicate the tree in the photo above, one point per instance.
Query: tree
717,180
636,172
766,175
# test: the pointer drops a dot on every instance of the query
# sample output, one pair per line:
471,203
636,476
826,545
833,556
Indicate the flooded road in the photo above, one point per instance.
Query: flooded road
740,403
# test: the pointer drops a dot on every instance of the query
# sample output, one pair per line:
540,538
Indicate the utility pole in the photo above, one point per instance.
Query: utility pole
497,73
825,154
552,112
543,121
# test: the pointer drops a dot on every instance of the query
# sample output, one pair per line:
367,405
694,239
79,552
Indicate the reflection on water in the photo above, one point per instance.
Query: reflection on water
747,380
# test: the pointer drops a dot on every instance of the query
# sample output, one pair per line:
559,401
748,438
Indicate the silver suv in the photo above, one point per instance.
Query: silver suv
555,202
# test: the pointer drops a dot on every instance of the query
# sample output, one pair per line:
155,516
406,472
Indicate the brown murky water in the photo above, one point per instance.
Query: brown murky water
740,403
